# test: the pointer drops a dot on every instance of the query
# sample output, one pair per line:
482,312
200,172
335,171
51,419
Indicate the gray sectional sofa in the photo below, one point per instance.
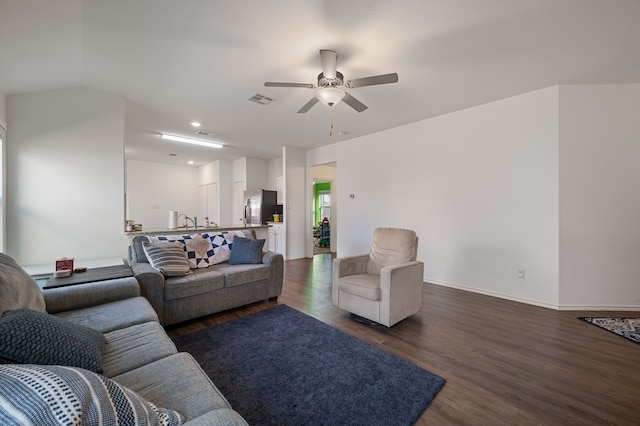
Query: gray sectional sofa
138,354
211,285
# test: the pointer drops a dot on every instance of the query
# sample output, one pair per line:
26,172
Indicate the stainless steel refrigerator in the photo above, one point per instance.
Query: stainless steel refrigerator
259,206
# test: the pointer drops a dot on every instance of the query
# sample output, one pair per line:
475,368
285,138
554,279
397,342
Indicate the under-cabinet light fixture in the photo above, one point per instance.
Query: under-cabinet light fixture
191,141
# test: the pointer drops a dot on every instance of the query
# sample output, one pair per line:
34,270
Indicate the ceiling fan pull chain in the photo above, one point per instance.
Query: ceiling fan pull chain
331,121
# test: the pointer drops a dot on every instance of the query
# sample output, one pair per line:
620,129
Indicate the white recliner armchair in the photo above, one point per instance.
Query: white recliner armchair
384,286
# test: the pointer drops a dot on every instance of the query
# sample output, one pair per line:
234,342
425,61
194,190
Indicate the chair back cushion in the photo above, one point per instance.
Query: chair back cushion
17,289
391,246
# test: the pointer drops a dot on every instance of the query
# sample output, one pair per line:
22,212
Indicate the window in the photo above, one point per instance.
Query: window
324,201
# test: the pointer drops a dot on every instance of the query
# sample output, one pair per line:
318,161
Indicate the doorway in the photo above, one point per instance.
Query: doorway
321,217
323,208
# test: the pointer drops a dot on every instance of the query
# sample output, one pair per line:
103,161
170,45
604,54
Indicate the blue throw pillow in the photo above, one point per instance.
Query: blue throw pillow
246,251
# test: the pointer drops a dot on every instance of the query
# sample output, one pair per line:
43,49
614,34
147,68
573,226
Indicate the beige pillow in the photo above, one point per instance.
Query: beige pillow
391,246
17,289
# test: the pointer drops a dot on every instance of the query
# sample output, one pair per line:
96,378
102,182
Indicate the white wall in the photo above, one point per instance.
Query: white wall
153,189
600,202
65,176
295,215
257,174
545,181
3,168
3,109
225,192
479,186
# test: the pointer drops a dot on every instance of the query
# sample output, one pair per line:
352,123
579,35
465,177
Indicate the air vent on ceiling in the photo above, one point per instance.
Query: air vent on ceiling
205,133
261,99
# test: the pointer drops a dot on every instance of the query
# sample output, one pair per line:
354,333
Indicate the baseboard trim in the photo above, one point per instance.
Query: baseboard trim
495,294
630,308
600,308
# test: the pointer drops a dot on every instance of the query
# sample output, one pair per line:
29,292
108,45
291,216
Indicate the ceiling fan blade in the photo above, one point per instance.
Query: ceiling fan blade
275,84
354,103
329,60
308,105
372,81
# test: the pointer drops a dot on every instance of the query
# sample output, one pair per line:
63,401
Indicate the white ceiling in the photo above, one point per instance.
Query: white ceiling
177,61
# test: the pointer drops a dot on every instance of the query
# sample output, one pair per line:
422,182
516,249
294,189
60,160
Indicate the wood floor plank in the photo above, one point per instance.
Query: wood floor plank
506,363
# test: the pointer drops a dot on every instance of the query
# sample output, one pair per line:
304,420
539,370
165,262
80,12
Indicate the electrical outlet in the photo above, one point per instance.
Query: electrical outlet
520,273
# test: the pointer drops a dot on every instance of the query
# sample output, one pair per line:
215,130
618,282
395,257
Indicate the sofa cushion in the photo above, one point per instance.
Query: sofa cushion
17,289
114,315
31,337
235,275
176,382
200,282
246,251
168,258
197,248
220,417
37,394
135,346
391,246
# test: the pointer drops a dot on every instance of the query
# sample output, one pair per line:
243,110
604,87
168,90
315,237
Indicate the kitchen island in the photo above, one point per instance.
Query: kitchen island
261,230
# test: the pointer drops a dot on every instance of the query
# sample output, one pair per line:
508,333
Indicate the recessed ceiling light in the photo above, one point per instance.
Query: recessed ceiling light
191,141
190,161
196,124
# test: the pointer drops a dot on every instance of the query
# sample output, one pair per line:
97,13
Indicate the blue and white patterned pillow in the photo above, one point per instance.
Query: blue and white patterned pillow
221,244
54,394
196,246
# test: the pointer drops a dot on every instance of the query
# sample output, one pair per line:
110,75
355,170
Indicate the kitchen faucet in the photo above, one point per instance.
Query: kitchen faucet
187,218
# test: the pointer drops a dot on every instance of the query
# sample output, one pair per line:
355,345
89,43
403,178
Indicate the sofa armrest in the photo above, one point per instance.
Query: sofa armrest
90,294
275,261
350,265
151,286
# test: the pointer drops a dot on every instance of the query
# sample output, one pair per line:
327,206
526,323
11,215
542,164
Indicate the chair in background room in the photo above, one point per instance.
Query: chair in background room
384,286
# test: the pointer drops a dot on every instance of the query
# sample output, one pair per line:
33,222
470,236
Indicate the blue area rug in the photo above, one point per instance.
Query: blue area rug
282,367
629,328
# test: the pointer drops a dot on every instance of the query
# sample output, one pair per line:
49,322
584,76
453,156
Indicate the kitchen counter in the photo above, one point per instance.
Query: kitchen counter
191,230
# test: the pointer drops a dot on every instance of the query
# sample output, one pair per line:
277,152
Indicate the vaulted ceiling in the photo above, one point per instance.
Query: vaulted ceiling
179,61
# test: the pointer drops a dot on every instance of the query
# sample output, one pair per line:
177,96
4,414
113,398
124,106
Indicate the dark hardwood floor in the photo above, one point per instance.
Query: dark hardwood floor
506,363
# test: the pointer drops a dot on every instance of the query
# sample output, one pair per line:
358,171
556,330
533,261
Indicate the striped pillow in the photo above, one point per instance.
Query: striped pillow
54,394
168,258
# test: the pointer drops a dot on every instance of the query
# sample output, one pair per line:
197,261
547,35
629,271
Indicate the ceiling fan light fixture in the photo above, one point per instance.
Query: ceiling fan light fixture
190,140
330,95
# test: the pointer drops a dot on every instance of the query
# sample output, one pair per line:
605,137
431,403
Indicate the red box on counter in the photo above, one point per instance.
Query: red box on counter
64,264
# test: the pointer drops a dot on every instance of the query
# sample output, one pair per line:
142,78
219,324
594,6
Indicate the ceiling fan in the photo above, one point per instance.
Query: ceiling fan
331,84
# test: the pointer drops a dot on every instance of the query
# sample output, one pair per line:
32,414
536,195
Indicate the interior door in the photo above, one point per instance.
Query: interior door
237,209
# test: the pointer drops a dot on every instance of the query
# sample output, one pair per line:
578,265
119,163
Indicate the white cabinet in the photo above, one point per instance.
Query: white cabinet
277,240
